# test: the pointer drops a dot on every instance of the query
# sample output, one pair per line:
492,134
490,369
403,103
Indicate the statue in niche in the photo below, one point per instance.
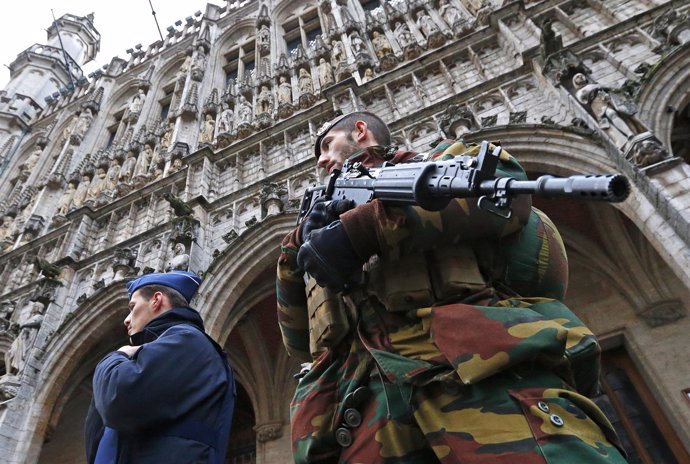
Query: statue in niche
97,185
402,34
185,67
127,170
263,38
648,152
175,165
357,43
156,166
67,131
166,139
306,85
608,111
244,111
6,310
325,73
83,123
141,169
82,191
338,57
31,160
449,13
284,91
180,259
382,46
65,200
207,130
8,227
265,67
368,75
426,24
225,120
112,176
28,323
200,59
264,101
137,102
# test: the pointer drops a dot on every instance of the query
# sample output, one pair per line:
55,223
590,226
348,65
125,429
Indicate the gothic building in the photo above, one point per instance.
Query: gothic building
195,151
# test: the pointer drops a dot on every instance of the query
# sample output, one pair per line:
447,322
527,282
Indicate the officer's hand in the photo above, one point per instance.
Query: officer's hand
322,214
129,350
329,258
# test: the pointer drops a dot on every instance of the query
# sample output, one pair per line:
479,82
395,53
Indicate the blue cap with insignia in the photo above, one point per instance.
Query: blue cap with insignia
187,283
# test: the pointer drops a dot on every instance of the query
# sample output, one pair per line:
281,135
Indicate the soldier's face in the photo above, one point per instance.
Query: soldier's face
336,147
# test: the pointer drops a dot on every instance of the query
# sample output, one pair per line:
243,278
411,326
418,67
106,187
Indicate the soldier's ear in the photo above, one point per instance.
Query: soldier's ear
361,131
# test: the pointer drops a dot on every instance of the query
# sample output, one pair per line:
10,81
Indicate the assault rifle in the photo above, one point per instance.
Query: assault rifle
432,185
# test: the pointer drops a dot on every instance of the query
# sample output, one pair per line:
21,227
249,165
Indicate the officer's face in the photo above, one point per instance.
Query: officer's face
336,147
141,312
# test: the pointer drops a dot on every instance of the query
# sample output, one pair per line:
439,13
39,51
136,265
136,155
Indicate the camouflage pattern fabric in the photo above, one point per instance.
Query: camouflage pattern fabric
500,375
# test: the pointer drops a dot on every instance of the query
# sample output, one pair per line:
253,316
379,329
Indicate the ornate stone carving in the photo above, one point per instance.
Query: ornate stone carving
663,312
550,41
123,263
457,120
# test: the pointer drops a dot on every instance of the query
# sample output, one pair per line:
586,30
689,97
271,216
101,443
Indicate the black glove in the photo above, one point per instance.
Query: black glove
323,213
329,258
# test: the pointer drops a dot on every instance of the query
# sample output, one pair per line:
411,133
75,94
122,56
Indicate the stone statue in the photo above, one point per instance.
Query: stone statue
449,13
166,139
382,46
648,152
264,101
31,160
606,110
6,310
244,111
156,166
83,123
141,168
8,227
180,259
112,176
325,73
306,85
426,24
225,120
127,170
137,102
368,75
65,200
207,131
284,91
96,186
199,60
67,131
28,323
338,56
403,34
175,165
81,192
357,43
263,37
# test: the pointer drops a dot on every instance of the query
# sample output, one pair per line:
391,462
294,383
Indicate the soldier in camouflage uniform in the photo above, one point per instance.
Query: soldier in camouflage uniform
450,343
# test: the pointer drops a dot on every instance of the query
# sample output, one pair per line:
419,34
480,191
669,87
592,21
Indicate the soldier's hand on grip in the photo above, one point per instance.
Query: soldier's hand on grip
328,256
322,214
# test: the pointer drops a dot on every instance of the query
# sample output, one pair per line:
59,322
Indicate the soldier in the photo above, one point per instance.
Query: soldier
434,336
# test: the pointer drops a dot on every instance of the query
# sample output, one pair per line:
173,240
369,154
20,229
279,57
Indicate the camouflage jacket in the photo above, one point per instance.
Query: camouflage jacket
512,321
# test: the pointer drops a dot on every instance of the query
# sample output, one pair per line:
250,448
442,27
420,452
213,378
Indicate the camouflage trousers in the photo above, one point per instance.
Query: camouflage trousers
514,417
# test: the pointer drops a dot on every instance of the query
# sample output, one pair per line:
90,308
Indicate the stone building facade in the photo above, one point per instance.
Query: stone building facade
194,153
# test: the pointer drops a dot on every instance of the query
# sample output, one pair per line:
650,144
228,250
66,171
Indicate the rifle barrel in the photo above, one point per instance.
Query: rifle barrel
613,188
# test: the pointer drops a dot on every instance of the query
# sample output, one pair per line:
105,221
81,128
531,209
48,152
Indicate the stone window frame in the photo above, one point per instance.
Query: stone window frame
238,60
301,29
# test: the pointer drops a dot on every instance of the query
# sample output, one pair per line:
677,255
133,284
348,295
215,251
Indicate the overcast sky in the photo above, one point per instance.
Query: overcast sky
121,23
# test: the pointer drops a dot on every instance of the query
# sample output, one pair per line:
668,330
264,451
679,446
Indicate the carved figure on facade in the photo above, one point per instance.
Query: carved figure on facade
27,326
244,111
368,75
608,108
67,131
306,89
112,176
6,311
96,187
127,170
457,120
285,107
263,38
383,50
359,49
207,130
81,192
430,29
140,176
31,161
156,166
406,41
264,101
175,165
166,139
134,108
325,73
452,16
672,29
225,120
180,259
338,56
82,125
65,200
8,231
647,153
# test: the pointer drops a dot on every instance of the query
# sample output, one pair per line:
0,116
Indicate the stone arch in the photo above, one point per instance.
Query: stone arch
666,91
71,355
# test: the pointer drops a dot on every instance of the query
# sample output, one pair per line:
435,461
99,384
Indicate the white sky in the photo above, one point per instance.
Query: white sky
121,23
